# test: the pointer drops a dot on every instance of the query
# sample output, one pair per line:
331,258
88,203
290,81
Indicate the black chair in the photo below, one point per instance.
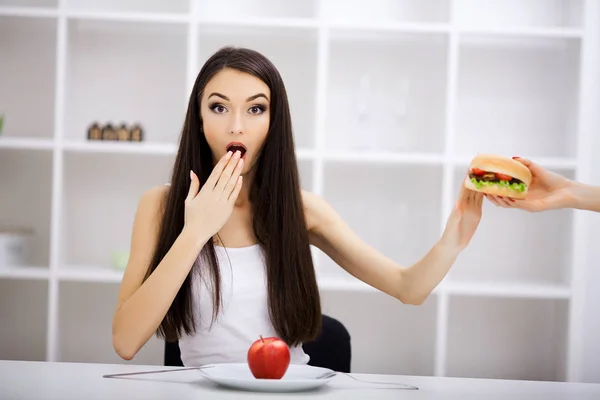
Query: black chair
331,349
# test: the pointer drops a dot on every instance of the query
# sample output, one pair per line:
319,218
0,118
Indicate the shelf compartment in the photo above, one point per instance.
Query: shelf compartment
516,14
95,226
114,76
516,246
256,9
23,307
385,91
92,341
379,204
386,11
27,68
292,51
411,330
521,339
517,96
26,202
153,6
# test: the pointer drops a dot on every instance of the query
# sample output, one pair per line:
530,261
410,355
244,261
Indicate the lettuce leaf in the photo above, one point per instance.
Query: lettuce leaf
518,187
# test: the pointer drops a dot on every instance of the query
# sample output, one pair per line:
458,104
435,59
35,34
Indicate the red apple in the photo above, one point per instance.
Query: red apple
268,358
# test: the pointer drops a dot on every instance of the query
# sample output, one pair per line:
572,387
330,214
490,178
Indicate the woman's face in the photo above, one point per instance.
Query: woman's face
235,114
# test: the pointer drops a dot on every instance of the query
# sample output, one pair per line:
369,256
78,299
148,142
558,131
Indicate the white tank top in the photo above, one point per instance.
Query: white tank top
243,317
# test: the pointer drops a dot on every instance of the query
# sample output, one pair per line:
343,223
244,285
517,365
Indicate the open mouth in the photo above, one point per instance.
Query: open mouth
237,146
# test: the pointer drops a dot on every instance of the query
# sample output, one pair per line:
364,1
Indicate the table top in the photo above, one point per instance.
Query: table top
44,380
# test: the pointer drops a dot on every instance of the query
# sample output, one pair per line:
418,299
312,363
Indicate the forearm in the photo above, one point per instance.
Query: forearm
585,197
138,318
419,280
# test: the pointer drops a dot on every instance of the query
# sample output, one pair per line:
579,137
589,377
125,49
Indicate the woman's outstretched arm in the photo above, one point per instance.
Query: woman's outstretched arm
411,285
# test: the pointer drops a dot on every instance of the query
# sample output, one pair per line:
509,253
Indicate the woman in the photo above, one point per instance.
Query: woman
550,191
223,254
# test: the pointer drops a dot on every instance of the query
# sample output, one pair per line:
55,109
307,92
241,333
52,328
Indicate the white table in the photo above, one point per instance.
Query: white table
40,380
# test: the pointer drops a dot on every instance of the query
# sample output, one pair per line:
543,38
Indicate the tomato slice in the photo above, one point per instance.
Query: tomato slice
503,177
478,171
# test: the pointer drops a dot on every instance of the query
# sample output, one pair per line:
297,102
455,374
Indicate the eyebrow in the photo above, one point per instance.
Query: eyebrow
248,99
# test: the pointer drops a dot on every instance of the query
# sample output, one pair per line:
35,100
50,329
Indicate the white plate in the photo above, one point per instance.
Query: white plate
296,378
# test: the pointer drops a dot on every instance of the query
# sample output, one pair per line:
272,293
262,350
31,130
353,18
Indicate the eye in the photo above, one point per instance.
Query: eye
257,109
218,108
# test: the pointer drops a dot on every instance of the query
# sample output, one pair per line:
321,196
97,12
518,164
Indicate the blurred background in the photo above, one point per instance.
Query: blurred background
390,100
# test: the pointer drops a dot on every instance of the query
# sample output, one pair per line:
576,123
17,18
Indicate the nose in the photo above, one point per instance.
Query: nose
236,124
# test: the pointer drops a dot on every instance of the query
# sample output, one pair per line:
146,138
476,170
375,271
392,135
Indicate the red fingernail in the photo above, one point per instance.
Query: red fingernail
513,200
515,157
500,197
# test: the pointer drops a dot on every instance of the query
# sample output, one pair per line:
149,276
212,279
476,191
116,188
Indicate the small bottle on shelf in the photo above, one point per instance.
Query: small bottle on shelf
123,134
94,132
137,133
109,133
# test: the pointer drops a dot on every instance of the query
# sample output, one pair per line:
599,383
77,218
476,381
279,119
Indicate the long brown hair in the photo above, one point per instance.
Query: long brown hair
278,215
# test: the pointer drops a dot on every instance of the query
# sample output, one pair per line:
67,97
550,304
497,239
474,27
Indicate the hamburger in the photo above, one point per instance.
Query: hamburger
498,176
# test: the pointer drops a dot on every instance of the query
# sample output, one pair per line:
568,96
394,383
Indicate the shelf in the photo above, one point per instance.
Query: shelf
92,341
27,205
114,76
146,6
378,204
113,147
506,290
557,33
518,14
25,10
25,143
386,11
27,69
384,91
23,307
96,225
507,338
388,337
24,272
294,54
128,16
79,273
513,246
517,96
384,157
242,9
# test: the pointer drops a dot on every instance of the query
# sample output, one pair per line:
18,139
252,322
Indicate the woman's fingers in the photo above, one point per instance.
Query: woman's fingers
233,180
226,174
236,190
500,201
218,170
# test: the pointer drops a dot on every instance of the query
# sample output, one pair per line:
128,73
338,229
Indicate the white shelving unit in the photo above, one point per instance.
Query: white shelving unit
390,100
